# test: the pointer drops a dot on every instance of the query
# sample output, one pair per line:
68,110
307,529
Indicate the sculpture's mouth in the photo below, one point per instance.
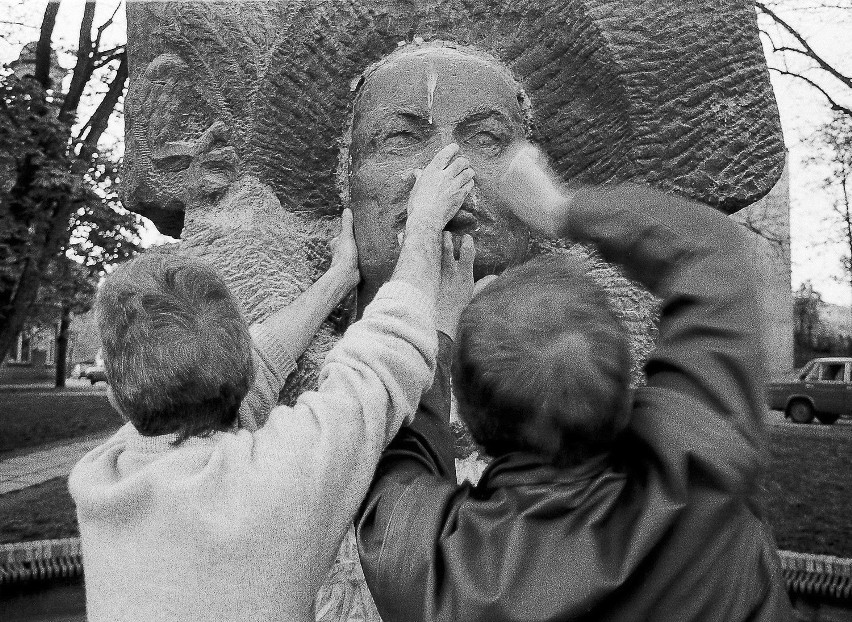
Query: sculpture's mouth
463,222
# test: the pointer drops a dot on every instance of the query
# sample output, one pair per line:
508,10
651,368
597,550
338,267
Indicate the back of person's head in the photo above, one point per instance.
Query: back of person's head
176,347
542,364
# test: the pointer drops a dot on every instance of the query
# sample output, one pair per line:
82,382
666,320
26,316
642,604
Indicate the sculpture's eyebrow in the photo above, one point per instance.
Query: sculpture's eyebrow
479,117
395,117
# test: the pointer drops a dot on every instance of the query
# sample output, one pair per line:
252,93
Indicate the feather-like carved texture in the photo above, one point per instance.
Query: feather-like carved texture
673,93
676,94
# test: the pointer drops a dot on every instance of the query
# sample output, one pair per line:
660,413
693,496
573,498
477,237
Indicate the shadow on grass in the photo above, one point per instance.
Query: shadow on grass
809,489
42,512
29,419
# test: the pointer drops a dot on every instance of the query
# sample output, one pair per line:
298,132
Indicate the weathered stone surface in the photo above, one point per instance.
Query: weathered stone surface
237,116
768,224
675,93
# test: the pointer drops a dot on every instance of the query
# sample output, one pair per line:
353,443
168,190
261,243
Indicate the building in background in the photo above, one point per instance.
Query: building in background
768,223
32,357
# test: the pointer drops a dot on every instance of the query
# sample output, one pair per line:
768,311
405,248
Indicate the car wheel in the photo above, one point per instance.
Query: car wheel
800,412
827,419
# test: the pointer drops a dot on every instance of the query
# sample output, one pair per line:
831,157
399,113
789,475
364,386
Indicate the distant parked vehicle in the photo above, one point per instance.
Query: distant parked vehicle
822,389
79,369
96,373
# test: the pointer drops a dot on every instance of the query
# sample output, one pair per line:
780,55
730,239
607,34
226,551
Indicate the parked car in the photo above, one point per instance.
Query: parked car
822,389
96,373
79,369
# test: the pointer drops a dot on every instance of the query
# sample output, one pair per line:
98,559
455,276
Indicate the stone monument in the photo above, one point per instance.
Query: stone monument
251,125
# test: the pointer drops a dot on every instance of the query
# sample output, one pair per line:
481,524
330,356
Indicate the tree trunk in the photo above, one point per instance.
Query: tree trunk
62,347
15,308
43,48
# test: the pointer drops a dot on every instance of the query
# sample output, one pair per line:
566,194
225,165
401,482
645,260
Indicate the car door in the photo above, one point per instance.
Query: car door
827,384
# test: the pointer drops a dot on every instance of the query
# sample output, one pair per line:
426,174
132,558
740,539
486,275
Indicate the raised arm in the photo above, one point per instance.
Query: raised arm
432,551
284,336
373,378
710,348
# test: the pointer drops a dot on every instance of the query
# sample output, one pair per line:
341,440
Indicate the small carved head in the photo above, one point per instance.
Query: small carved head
179,157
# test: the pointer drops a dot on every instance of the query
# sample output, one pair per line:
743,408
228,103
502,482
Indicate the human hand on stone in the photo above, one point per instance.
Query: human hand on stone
439,190
456,286
344,251
532,191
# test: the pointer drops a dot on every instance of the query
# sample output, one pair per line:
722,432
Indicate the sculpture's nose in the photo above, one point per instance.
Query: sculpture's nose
446,136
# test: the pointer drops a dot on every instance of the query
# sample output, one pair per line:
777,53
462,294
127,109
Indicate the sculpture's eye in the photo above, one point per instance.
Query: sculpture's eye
487,143
172,163
398,140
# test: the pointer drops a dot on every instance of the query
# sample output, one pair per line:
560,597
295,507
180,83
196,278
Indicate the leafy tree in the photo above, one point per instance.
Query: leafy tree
103,234
813,336
806,307
47,158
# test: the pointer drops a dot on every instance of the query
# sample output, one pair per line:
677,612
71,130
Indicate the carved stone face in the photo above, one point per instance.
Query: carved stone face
407,109
179,158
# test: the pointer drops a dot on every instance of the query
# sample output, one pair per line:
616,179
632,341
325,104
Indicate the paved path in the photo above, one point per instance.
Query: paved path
43,464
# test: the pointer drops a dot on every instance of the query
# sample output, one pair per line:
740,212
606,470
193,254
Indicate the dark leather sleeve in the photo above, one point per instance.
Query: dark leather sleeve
706,377
429,438
393,523
665,533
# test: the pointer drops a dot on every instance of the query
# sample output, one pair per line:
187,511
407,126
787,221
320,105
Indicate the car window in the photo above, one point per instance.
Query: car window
831,372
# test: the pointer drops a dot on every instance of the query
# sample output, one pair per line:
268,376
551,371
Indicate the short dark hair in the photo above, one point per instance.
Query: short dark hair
176,346
542,363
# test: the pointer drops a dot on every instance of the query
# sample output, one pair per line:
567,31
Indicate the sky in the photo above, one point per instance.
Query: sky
815,256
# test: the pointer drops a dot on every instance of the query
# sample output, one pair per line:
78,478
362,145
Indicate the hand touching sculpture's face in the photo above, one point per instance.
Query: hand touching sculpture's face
407,109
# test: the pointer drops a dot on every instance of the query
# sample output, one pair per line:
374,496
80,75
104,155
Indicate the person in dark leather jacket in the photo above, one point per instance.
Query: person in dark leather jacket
658,516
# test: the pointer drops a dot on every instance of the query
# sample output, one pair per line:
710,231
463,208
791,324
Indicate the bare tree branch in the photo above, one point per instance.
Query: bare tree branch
84,67
766,34
778,242
104,26
100,117
807,49
8,23
105,58
42,60
817,6
832,102
110,52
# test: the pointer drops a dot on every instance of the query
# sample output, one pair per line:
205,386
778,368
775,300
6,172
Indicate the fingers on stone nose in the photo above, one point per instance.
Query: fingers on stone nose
443,157
458,165
466,175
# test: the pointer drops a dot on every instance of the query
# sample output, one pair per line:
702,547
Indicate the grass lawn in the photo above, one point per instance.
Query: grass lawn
40,512
29,418
810,491
809,486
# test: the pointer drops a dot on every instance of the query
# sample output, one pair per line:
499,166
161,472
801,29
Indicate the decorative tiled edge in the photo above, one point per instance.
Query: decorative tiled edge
806,574
817,575
40,560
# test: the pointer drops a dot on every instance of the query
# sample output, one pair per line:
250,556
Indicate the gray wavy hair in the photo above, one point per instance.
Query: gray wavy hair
176,346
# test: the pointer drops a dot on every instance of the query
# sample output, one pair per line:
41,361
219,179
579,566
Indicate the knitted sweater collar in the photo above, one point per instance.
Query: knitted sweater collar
165,442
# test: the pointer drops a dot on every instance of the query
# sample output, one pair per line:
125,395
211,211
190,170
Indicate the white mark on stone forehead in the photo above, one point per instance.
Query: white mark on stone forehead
431,85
